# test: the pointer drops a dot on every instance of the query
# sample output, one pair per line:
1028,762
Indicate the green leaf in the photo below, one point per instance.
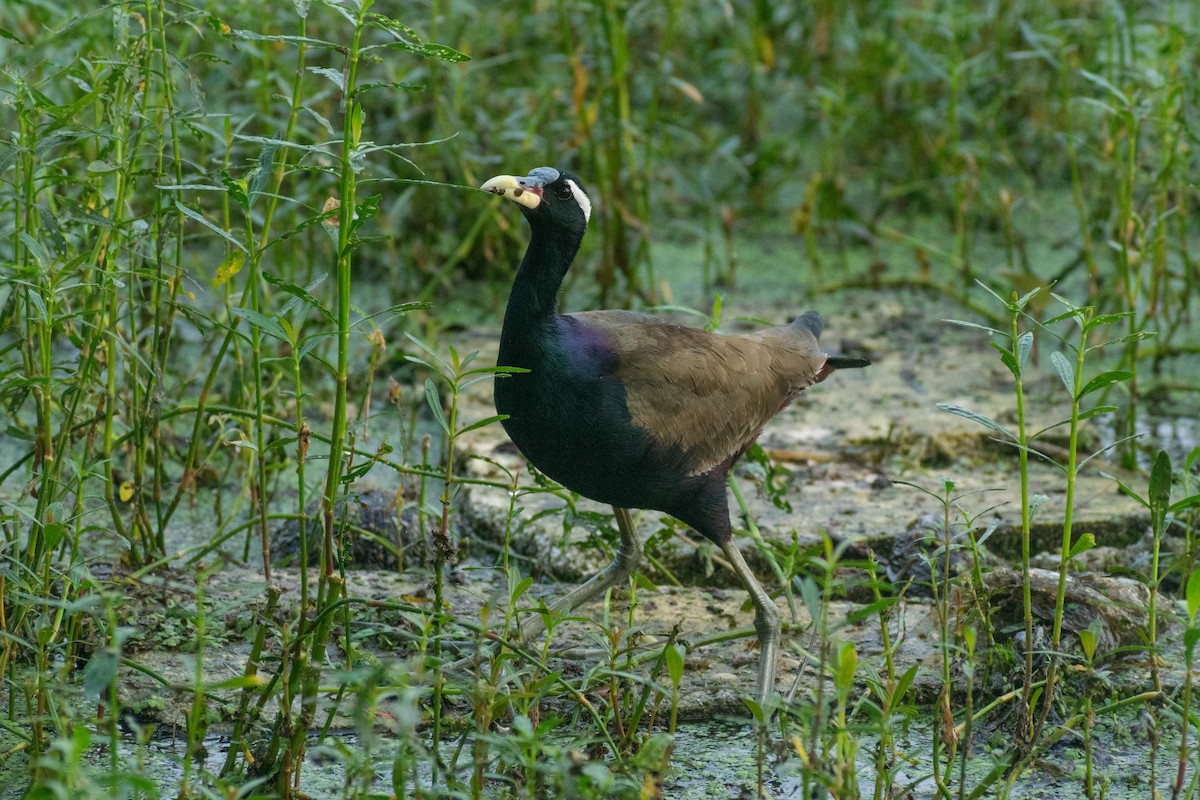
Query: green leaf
236,682
367,209
654,754
845,667
261,321
300,293
435,404
363,88
1065,371
1084,543
755,709
644,583
1137,336
1128,491
1036,502
982,420
39,251
357,116
1159,495
1193,594
1091,412
1032,293
1101,81
1088,637
521,588
100,672
236,189
442,366
52,535
1107,319
336,76
474,426
1190,637
903,685
1009,360
811,595
52,229
963,323
352,475
198,217
1105,379
673,655
261,174
1024,347
407,39
1185,503
399,308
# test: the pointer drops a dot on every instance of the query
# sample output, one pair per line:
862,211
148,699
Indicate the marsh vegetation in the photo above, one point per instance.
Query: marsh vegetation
247,278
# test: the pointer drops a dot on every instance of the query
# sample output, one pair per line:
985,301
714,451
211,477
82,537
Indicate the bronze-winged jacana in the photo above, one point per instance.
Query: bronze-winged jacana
635,411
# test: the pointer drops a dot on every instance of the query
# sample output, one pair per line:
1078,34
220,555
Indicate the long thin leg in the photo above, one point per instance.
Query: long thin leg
766,621
629,554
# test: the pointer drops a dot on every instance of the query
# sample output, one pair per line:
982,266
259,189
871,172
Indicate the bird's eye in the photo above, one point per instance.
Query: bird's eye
564,192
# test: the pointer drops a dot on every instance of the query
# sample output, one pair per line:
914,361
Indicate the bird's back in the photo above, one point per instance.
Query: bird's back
640,412
707,394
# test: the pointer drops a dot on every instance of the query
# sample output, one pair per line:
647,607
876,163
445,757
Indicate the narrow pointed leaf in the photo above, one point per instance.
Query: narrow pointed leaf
1088,638
1008,358
1091,412
263,170
483,422
435,404
1024,346
982,420
1105,379
260,321
445,368
1036,502
198,217
673,655
300,293
1065,372
1185,503
963,323
1159,495
1107,319
1032,293
904,684
1128,491
1193,594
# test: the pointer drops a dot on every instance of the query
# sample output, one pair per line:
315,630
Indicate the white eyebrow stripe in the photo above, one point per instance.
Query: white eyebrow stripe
582,200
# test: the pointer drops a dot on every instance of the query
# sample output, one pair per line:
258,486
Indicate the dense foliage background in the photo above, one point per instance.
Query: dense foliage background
217,221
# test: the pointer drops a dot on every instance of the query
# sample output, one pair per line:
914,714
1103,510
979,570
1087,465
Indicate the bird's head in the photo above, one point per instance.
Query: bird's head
546,196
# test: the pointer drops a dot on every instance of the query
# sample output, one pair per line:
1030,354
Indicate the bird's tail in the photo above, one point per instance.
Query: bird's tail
842,362
814,323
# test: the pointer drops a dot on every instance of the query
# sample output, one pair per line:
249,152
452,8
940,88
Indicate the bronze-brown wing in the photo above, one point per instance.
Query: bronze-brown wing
705,393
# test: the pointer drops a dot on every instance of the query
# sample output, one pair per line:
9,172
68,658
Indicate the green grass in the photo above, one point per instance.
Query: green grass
226,226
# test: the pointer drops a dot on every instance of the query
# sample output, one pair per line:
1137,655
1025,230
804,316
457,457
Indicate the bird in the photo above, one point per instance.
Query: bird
636,411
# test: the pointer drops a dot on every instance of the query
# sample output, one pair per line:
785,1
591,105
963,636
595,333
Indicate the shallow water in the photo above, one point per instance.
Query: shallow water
710,759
